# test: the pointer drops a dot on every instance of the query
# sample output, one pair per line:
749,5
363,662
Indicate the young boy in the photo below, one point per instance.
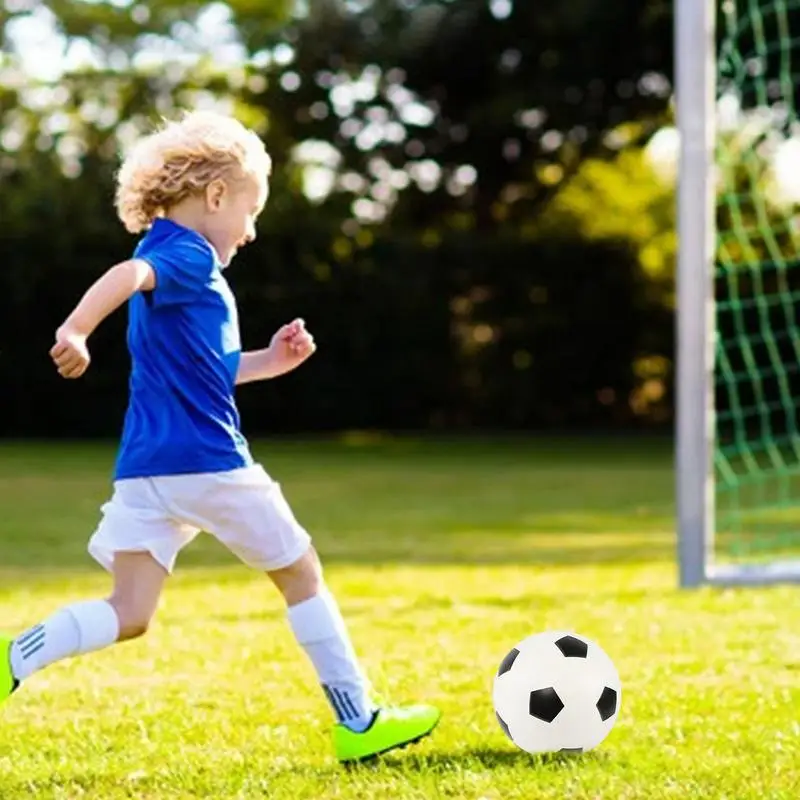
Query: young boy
197,187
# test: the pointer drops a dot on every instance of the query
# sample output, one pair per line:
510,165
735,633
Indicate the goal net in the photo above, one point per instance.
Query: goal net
752,533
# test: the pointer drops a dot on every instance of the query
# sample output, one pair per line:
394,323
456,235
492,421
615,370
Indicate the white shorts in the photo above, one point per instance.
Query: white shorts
244,509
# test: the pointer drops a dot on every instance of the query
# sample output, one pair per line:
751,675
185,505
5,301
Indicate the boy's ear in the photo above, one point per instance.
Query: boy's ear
215,191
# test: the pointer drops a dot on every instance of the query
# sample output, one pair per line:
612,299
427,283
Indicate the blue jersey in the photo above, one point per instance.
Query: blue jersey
185,349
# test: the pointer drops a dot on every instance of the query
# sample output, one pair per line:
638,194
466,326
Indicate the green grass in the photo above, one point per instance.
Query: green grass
443,555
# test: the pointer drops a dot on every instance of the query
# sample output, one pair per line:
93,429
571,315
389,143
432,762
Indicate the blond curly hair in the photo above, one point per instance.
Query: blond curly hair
181,159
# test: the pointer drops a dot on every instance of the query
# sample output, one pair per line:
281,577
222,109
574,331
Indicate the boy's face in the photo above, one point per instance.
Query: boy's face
233,208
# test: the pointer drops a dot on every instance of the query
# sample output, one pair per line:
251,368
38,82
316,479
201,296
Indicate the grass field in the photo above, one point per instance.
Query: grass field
443,555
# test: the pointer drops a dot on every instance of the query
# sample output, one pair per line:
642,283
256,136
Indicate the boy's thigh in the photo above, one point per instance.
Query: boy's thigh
246,511
135,519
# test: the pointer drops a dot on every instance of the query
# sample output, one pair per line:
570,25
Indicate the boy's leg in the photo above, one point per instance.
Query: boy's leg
89,625
138,583
245,509
319,628
363,730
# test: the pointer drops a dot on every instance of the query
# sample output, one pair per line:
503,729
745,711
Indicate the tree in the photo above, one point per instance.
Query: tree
420,148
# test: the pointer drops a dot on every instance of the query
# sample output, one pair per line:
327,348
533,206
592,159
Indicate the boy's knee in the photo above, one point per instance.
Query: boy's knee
133,629
138,580
301,580
132,622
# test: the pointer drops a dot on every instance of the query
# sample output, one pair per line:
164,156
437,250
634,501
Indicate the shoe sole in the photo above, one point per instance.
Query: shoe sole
401,746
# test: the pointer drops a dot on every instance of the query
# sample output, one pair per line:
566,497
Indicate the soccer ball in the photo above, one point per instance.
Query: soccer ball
557,691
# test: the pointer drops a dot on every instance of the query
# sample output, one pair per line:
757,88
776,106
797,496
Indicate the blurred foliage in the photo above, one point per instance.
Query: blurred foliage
462,206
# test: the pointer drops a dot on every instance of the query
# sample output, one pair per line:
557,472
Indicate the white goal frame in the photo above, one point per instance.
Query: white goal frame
695,84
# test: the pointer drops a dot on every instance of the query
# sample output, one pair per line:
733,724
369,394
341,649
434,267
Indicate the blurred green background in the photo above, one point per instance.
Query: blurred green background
472,204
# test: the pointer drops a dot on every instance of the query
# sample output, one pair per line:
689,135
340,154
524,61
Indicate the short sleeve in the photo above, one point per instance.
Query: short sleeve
182,265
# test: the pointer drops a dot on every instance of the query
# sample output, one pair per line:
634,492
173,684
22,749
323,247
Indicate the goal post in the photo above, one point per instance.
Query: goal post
695,91
738,291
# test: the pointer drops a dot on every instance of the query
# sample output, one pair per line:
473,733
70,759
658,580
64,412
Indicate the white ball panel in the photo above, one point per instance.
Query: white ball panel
579,683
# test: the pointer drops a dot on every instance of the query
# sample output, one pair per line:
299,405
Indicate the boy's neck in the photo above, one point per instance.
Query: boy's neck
186,218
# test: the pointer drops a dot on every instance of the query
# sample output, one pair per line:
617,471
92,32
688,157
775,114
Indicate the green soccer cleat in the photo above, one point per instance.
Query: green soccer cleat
391,728
8,683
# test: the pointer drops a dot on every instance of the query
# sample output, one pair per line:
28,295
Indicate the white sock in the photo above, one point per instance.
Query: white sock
79,628
319,628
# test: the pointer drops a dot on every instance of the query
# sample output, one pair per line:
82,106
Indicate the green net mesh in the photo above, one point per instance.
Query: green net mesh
757,281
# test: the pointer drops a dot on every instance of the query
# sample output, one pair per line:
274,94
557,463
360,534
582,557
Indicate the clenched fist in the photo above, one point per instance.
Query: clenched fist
70,353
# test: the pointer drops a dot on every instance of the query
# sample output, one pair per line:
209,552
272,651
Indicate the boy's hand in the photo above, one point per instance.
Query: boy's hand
292,344
70,353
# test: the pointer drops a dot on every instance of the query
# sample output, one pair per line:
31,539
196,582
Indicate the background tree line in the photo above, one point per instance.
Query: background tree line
464,207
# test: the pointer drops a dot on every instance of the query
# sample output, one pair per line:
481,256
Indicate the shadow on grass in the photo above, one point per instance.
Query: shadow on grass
488,758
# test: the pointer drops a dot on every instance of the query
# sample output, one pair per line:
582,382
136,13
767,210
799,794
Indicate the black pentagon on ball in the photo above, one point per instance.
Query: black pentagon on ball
505,664
503,725
572,647
545,704
607,704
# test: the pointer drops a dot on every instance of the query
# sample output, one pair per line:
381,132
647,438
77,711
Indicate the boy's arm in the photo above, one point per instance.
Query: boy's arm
289,348
259,365
107,294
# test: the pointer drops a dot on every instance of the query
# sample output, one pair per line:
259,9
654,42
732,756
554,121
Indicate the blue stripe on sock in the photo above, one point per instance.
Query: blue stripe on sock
32,638
35,649
345,711
330,699
349,702
32,644
333,701
22,638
